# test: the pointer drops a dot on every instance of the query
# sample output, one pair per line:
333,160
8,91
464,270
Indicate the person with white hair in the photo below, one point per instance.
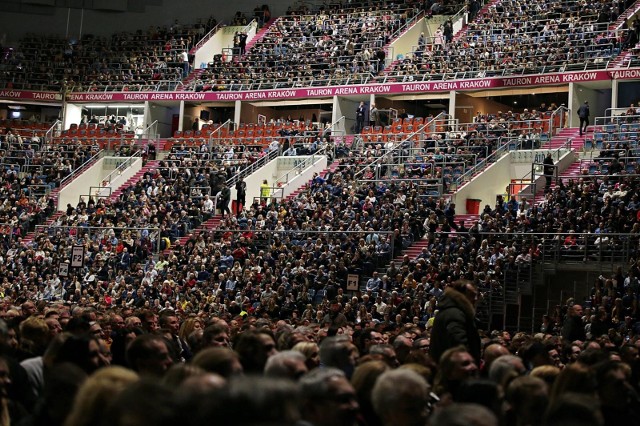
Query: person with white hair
400,398
286,365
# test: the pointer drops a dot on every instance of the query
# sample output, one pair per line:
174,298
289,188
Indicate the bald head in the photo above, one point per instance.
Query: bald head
492,352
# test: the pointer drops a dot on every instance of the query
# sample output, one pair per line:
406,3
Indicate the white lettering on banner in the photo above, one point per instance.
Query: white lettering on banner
579,76
10,94
135,96
546,79
46,96
475,84
91,97
162,97
375,89
347,91
271,94
230,96
519,81
319,92
626,74
448,85
190,96
416,87
255,95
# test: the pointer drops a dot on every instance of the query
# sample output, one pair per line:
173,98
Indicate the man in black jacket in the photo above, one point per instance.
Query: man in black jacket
583,115
455,322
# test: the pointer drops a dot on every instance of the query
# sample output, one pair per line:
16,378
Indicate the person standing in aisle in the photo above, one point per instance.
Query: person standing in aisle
241,195
225,198
583,114
548,167
374,118
265,191
360,112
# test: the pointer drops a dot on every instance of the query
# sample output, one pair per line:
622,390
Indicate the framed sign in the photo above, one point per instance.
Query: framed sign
63,269
77,256
352,282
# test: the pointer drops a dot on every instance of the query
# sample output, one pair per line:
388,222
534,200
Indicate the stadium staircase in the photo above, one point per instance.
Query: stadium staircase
573,171
481,12
626,55
214,222
28,238
554,143
193,75
151,164
260,34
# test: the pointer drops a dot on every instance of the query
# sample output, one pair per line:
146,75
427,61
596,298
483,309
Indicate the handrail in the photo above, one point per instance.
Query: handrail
49,134
561,111
400,144
155,123
204,39
107,180
252,167
217,130
72,175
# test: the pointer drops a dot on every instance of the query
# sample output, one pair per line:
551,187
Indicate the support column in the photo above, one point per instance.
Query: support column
572,105
181,116
452,104
236,113
614,94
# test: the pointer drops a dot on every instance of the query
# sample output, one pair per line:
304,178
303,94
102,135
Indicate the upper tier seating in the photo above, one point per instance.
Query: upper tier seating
520,37
328,47
128,61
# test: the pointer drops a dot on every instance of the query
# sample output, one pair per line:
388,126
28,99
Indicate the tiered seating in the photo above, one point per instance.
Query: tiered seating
29,172
329,46
142,60
100,136
619,132
526,37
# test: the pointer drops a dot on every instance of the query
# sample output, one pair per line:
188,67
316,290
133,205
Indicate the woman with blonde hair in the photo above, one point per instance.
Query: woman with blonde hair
96,394
311,351
189,326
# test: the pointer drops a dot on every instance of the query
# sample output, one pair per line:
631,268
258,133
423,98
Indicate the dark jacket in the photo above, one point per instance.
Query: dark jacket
583,111
454,325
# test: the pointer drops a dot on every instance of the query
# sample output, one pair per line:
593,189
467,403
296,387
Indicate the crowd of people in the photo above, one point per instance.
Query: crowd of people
30,171
522,37
274,277
127,61
77,364
257,322
332,45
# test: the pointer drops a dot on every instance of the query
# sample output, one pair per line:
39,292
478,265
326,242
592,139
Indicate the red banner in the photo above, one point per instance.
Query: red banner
323,92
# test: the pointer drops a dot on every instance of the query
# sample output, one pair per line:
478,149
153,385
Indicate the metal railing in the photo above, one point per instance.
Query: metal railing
217,130
108,180
204,39
427,125
251,168
79,170
94,233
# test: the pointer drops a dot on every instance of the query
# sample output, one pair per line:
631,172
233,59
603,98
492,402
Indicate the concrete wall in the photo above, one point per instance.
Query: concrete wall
72,114
91,180
347,107
118,180
599,101
254,180
407,43
276,169
164,114
495,179
80,185
223,38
